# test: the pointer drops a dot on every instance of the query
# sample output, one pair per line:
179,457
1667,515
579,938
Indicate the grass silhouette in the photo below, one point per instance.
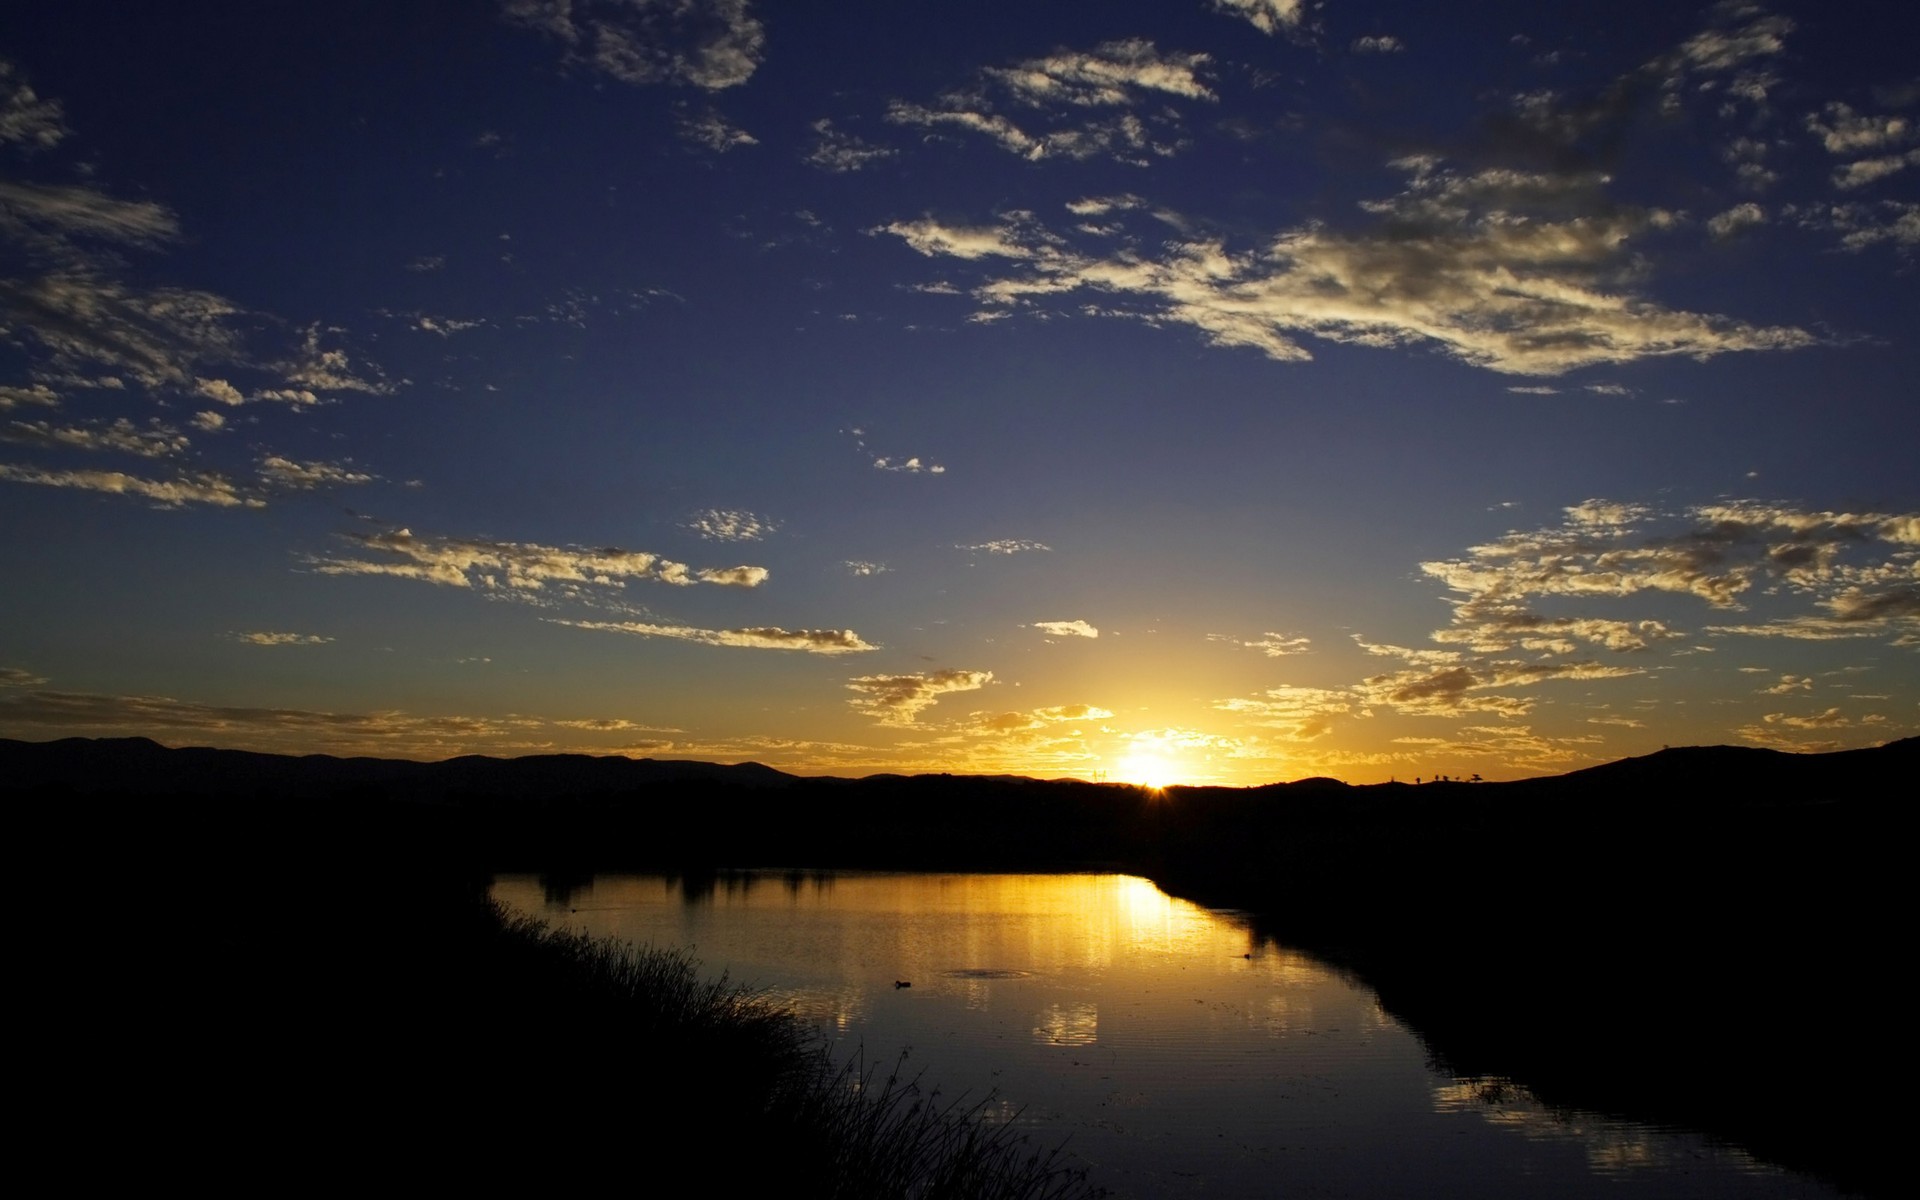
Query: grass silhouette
735,1060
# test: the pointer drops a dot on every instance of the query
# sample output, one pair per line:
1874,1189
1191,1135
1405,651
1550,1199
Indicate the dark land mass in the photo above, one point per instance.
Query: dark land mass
1703,937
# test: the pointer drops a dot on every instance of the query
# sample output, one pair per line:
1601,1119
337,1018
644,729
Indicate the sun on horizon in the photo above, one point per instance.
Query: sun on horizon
1148,769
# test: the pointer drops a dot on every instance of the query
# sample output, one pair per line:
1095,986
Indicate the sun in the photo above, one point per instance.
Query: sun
1147,769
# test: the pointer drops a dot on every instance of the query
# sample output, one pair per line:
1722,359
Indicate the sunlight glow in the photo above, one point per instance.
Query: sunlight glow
1147,769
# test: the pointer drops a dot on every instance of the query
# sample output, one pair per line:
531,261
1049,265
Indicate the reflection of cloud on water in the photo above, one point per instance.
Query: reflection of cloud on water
1613,1147
1289,1012
1075,1024
1291,968
1379,1019
975,984
834,1010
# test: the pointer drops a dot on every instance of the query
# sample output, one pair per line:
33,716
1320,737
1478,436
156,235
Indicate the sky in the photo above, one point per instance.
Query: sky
1209,391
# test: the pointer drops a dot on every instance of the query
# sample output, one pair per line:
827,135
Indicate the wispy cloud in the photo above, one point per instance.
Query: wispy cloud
841,152
157,440
461,562
714,132
26,120
1300,713
1860,226
1268,16
72,211
306,476
263,638
710,44
764,637
898,699
614,725
1056,97
200,488
1005,546
384,732
1516,272
1271,644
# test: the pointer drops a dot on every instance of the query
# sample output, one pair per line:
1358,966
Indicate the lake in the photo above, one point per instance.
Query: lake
1176,1053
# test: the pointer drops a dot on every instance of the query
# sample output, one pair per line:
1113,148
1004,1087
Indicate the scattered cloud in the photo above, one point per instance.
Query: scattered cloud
898,699
1268,16
1451,690
911,466
1384,43
861,567
36,394
1067,629
1832,718
1845,132
306,476
1893,223
1004,546
1732,221
1716,553
1022,725
730,525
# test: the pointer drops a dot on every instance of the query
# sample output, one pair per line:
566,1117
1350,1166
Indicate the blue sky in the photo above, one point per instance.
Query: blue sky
1223,391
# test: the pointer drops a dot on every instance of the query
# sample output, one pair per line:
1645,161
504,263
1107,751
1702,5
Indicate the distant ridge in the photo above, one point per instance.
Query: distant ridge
143,766
140,765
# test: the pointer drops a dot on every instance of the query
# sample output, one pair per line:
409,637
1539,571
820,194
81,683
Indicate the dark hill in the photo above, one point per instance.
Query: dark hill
1688,936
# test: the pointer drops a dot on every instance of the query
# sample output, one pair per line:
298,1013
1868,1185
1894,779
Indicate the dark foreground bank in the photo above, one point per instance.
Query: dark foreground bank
424,1035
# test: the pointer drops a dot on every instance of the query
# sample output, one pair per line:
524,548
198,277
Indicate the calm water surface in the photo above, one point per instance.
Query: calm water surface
1177,1055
